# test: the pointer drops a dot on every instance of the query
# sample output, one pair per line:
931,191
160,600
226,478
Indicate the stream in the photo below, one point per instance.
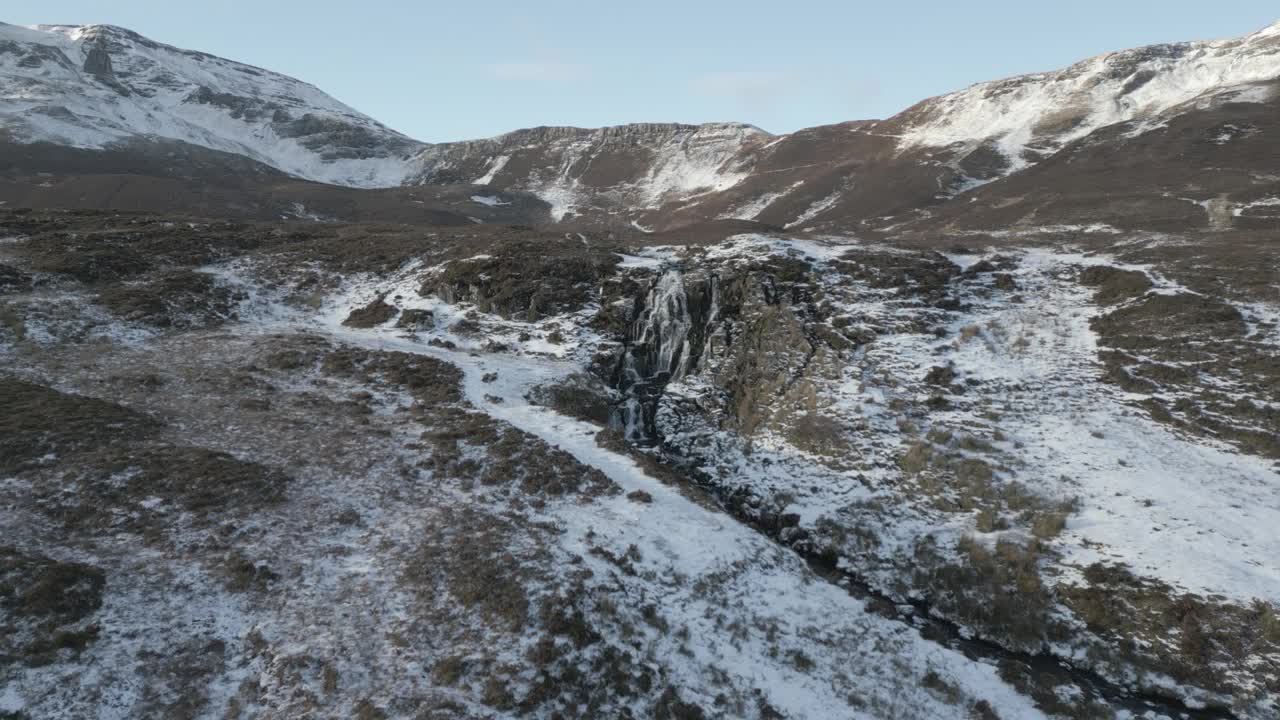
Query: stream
517,374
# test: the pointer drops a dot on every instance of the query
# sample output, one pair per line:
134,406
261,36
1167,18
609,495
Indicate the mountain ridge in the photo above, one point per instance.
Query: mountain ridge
90,86
854,175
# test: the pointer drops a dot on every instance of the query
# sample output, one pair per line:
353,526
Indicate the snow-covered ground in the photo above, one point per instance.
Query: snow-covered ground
744,612
1196,514
1182,510
708,568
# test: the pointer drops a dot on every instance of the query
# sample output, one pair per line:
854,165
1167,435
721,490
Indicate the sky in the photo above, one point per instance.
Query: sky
443,71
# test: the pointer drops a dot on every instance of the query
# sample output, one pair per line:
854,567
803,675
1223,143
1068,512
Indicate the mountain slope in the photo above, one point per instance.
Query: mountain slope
637,167
95,87
99,85
1032,116
860,175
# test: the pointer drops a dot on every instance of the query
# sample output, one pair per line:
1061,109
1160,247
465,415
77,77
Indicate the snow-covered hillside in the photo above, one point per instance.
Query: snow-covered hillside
1032,116
641,166
97,85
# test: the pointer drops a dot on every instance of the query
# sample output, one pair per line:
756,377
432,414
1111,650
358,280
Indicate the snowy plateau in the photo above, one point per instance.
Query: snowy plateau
971,413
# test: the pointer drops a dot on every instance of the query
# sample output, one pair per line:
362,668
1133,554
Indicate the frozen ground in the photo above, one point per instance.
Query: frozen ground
732,615
1193,513
687,547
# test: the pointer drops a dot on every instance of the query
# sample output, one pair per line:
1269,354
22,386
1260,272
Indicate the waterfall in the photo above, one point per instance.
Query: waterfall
664,344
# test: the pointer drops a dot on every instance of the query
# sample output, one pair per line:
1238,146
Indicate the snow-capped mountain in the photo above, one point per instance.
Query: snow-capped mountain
860,173
98,85
636,167
1032,116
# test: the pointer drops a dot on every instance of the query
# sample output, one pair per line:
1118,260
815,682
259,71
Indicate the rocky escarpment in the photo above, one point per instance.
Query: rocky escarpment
587,174
729,368
759,336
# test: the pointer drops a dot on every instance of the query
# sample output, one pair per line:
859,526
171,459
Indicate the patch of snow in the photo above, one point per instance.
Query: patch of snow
490,200
1059,107
1190,512
1091,229
684,545
299,211
639,261
816,209
1239,210
11,701
495,167
752,210
685,162
562,199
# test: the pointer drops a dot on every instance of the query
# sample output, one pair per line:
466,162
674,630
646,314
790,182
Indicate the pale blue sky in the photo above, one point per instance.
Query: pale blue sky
456,70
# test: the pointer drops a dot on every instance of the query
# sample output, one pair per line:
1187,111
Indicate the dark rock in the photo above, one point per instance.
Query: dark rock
1113,284
46,606
640,496
416,319
1180,315
940,376
372,315
178,299
97,62
526,280
579,395
13,280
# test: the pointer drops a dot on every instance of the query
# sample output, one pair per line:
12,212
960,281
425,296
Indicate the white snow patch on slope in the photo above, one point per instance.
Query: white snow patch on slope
678,162
816,209
752,210
1182,509
700,162
1062,106
1195,514
1240,210
150,95
495,167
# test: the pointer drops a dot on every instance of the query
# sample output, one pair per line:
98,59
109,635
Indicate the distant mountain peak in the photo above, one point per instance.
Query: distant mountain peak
103,86
1031,115
94,86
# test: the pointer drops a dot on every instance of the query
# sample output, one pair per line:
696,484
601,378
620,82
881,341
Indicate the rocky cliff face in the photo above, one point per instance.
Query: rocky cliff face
821,390
618,171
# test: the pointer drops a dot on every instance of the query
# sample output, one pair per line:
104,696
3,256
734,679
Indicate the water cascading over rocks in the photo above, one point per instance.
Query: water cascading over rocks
664,343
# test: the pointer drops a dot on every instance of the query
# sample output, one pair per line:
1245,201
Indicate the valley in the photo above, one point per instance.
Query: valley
972,412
